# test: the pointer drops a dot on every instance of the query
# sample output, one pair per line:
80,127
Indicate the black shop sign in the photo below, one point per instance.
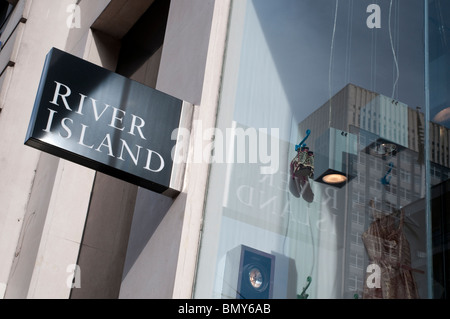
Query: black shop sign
99,119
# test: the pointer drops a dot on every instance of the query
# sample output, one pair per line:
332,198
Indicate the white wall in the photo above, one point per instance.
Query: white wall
44,200
20,163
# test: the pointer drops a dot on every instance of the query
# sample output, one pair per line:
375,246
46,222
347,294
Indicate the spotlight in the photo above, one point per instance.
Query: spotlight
334,178
335,151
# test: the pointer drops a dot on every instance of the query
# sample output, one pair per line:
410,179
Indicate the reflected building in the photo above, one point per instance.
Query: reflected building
387,172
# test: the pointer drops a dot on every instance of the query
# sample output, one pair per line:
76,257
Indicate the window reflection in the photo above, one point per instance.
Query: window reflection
385,160
355,98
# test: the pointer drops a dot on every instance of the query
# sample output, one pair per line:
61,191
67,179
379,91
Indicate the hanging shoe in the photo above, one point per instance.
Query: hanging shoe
307,193
303,163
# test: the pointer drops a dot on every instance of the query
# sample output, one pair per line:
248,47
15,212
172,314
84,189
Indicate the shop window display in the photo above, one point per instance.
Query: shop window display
356,91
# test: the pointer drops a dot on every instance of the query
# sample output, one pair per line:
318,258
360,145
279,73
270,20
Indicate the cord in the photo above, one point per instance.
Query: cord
393,52
331,57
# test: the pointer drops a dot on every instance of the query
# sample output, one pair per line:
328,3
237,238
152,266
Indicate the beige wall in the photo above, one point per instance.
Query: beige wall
34,210
54,213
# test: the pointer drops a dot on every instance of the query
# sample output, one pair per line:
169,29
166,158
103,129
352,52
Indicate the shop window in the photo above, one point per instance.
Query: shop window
303,67
6,8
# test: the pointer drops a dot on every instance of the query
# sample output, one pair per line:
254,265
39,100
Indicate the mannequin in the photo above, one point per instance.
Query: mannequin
388,248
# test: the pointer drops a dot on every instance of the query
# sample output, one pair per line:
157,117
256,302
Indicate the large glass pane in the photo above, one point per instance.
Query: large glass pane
319,181
438,98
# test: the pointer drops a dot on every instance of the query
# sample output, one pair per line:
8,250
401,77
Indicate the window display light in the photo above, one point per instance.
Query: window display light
335,151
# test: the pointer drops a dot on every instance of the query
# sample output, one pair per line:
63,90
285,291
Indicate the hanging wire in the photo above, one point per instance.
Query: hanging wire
331,58
428,217
397,74
348,55
373,58
398,41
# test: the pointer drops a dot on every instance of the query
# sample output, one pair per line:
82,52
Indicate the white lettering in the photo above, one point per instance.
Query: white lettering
237,145
374,279
63,96
245,308
181,136
116,118
247,191
97,116
138,127
206,310
74,19
50,120
80,106
264,157
240,135
108,145
133,158
149,159
74,279
266,308
272,200
66,128
374,20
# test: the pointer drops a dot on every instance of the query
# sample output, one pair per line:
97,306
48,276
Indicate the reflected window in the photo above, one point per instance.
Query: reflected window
344,99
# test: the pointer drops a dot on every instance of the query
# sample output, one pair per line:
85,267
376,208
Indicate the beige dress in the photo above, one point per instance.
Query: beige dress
387,247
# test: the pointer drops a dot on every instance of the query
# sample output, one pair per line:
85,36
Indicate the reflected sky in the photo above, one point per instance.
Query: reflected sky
299,37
